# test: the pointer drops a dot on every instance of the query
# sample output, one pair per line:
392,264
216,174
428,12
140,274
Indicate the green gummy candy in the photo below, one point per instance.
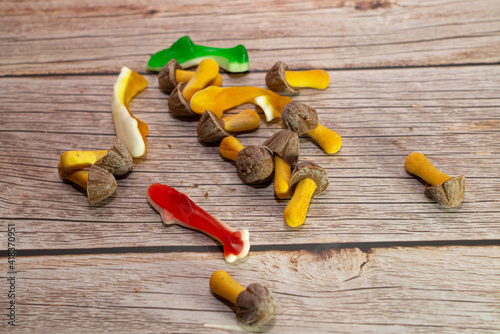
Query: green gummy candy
189,54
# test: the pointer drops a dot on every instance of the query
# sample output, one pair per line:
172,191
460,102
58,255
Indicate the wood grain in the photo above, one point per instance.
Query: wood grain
375,254
71,37
392,290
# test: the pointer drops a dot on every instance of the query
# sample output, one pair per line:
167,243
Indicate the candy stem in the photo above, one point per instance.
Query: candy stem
206,72
244,121
217,100
230,147
79,176
81,159
318,79
185,76
129,128
223,285
416,163
189,54
329,140
296,210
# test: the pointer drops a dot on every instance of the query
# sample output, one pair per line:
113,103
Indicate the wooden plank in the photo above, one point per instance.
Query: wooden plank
390,290
450,114
71,37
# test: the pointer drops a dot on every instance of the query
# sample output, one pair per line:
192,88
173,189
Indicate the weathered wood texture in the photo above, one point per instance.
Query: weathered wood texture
406,76
454,120
101,36
393,290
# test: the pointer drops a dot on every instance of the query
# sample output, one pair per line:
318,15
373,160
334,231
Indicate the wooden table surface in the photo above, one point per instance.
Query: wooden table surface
375,254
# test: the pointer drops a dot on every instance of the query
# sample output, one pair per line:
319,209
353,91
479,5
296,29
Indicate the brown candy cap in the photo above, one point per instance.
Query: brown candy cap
101,184
299,117
118,160
178,104
276,80
307,169
255,164
167,76
284,143
255,305
211,128
449,193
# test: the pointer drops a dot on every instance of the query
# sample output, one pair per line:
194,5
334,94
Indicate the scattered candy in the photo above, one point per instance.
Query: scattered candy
281,80
117,160
218,99
98,182
189,54
446,190
285,146
246,120
178,105
308,180
212,129
207,70
230,147
254,305
255,164
172,74
178,101
302,118
129,129
81,159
